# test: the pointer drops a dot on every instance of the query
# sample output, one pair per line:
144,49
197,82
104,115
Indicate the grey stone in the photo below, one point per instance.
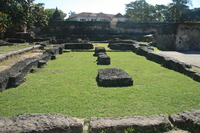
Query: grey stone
98,50
135,47
16,79
187,120
78,46
40,123
196,77
112,77
155,57
41,63
103,59
176,65
134,124
143,50
120,46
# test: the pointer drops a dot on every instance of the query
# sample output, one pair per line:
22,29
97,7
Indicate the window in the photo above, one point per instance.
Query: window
104,20
82,19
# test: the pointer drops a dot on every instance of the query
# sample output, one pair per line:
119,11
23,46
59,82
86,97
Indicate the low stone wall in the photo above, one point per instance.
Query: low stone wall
40,123
165,61
15,75
8,54
58,123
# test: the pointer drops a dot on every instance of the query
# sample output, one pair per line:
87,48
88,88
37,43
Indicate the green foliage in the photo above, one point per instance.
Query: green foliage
177,11
177,8
68,86
71,13
140,10
129,130
22,13
3,22
51,11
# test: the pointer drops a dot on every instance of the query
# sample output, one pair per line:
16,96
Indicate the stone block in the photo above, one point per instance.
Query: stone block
133,124
103,59
78,46
98,50
4,79
196,77
176,65
40,123
155,57
41,63
187,120
135,47
16,79
143,50
15,40
113,77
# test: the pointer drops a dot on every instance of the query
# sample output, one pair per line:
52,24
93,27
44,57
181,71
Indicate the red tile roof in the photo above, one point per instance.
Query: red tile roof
87,14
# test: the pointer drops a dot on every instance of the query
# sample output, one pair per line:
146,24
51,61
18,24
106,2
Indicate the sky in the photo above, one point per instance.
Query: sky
97,6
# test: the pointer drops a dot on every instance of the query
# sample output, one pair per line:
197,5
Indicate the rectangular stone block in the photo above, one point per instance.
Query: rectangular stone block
103,59
133,124
112,77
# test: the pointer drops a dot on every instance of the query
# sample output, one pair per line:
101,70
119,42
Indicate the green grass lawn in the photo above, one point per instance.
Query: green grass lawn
68,86
105,45
14,47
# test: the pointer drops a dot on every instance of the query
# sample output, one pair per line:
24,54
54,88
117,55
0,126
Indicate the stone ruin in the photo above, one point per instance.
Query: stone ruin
15,75
103,58
40,123
98,50
58,123
113,77
79,44
118,44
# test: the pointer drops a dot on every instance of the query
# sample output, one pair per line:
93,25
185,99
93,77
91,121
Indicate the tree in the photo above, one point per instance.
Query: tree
51,11
140,10
71,13
191,15
22,13
177,8
4,22
161,12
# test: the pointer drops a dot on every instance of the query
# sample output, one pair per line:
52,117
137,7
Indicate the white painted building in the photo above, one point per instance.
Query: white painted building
85,16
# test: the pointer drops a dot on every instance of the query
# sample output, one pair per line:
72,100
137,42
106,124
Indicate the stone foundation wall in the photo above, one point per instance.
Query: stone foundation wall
188,37
15,75
58,123
97,30
166,61
178,37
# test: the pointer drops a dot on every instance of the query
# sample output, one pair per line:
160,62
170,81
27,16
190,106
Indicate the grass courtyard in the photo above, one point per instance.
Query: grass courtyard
68,86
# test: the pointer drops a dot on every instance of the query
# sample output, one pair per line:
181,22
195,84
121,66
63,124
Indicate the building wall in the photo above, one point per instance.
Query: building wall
178,37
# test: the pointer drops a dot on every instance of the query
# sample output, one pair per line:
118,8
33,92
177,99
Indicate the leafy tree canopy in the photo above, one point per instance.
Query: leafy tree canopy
51,11
140,10
20,13
176,11
71,13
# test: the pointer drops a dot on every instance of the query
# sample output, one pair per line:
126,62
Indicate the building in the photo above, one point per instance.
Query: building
86,16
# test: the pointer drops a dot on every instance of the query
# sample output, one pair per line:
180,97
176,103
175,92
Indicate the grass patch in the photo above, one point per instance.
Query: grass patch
13,47
197,69
67,86
105,45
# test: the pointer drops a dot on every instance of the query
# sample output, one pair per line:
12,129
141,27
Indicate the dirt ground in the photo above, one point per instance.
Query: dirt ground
16,58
